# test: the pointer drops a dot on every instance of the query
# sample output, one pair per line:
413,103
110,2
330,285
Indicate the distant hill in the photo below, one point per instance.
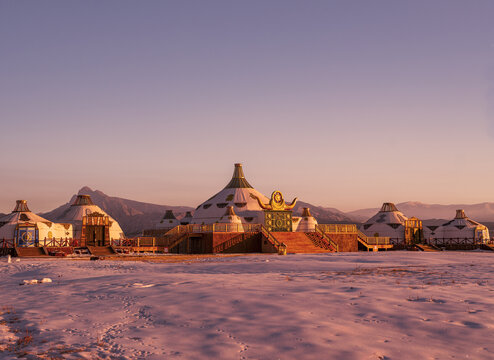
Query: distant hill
323,215
479,212
133,216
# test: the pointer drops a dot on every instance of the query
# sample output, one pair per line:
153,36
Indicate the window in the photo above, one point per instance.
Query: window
240,205
206,206
229,197
221,205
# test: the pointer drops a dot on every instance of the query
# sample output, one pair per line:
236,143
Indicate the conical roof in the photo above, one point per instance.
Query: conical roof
168,221
306,212
83,200
237,193
230,217
83,206
238,179
20,206
169,215
388,214
22,216
186,219
460,214
388,207
306,223
461,220
21,213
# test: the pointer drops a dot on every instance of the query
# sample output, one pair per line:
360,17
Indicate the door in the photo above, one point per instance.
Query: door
27,236
95,235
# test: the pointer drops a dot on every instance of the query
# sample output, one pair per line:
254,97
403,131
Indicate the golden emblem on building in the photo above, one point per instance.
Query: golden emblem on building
277,203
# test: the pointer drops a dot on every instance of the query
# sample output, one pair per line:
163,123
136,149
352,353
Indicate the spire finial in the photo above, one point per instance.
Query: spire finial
21,206
238,179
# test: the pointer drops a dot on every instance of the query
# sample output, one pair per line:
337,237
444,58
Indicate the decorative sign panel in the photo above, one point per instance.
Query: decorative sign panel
278,220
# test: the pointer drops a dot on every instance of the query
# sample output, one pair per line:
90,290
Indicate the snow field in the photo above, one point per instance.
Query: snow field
395,305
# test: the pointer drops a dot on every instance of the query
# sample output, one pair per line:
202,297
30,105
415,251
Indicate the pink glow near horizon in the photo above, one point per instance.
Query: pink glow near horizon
345,104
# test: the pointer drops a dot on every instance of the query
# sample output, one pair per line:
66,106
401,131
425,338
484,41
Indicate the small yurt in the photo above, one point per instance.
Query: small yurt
460,230
230,218
239,194
186,219
169,221
29,229
91,224
387,222
306,223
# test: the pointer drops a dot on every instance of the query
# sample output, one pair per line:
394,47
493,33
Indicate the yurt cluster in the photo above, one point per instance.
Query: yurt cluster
401,230
238,218
81,223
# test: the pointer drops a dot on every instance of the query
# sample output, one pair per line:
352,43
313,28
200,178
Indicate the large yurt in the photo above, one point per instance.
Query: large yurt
305,223
388,222
29,229
239,194
169,221
460,230
90,222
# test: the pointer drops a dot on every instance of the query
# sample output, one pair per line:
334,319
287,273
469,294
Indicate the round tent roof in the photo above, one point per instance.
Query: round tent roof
238,193
461,221
83,206
168,221
21,215
388,214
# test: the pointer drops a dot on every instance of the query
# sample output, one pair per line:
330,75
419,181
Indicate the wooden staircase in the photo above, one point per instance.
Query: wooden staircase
30,252
101,250
298,242
426,247
224,246
175,242
321,241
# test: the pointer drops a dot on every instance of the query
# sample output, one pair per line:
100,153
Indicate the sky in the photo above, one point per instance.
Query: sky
345,104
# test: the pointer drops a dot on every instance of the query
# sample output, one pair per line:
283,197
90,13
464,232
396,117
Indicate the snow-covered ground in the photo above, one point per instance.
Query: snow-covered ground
395,305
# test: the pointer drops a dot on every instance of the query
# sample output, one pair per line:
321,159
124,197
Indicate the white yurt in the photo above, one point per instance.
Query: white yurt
169,221
98,224
387,222
305,223
29,229
459,230
239,194
186,219
230,218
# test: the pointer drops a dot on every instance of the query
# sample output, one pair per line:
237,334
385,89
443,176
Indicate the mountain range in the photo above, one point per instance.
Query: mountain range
135,216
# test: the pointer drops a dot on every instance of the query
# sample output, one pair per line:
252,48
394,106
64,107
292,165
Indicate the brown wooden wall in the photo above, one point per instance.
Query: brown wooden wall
346,242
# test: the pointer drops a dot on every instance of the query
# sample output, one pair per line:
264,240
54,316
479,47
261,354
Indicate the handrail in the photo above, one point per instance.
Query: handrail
216,227
229,243
270,237
177,241
338,228
327,238
373,240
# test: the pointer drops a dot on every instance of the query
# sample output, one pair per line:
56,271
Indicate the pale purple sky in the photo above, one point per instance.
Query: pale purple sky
344,104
